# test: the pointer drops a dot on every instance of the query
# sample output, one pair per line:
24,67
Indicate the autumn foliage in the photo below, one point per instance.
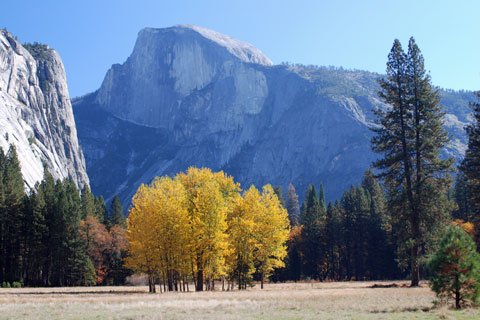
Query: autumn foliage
104,247
197,226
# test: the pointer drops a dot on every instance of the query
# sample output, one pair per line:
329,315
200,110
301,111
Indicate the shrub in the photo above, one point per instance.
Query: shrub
456,268
16,284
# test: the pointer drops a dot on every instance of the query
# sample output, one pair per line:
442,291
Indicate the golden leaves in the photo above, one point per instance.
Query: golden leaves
199,222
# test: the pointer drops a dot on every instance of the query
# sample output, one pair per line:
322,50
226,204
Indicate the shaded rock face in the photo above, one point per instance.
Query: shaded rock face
188,96
36,113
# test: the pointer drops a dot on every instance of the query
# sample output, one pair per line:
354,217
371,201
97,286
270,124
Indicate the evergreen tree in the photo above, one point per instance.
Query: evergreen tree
410,137
333,225
88,204
356,205
34,230
52,238
321,198
294,260
456,268
3,219
291,205
101,211
378,199
279,192
462,197
471,165
312,221
14,192
381,254
79,268
117,217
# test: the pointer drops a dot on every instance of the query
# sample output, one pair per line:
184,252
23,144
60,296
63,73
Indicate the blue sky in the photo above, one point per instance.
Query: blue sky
92,35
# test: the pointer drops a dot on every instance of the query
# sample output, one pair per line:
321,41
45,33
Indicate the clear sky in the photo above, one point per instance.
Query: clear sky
91,35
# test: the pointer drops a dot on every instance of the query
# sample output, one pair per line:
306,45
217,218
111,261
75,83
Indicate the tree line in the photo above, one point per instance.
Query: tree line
53,235
350,239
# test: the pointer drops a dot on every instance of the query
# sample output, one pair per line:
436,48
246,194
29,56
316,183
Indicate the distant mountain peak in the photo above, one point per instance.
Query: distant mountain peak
188,96
242,50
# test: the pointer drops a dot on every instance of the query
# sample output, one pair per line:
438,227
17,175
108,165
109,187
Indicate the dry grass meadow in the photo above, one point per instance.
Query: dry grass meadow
335,300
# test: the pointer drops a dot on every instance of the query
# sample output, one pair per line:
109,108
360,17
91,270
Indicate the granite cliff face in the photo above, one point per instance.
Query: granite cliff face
188,96
36,113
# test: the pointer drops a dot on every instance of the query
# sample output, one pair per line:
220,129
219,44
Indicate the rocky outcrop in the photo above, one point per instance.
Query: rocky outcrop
188,96
36,113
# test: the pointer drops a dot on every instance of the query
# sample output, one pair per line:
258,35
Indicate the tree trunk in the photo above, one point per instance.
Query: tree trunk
457,292
151,284
170,280
261,280
415,274
199,285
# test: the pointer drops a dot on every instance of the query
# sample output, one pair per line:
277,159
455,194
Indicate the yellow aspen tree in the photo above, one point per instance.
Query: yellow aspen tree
172,226
143,255
158,231
209,201
272,230
242,240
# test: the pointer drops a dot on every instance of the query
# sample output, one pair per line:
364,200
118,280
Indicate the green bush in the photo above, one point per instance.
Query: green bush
456,268
5,284
16,284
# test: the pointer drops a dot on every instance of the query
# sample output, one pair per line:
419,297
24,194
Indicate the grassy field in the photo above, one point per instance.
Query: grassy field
336,300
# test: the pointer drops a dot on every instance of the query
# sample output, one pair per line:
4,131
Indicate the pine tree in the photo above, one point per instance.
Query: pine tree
291,205
312,220
3,219
35,230
471,165
47,191
321,198
14,192
462,197
381,256
88,204
410,135
356,205
117,217
279,192
79,269
456,268
101,211
294,260
333,245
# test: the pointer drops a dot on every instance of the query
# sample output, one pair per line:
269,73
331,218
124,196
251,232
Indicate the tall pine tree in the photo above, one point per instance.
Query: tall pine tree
291,204
14,192
471,165
312,218
117,217
410,136
321,198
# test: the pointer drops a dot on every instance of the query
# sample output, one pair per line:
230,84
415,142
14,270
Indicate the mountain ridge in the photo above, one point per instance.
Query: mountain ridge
36,113
196,104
